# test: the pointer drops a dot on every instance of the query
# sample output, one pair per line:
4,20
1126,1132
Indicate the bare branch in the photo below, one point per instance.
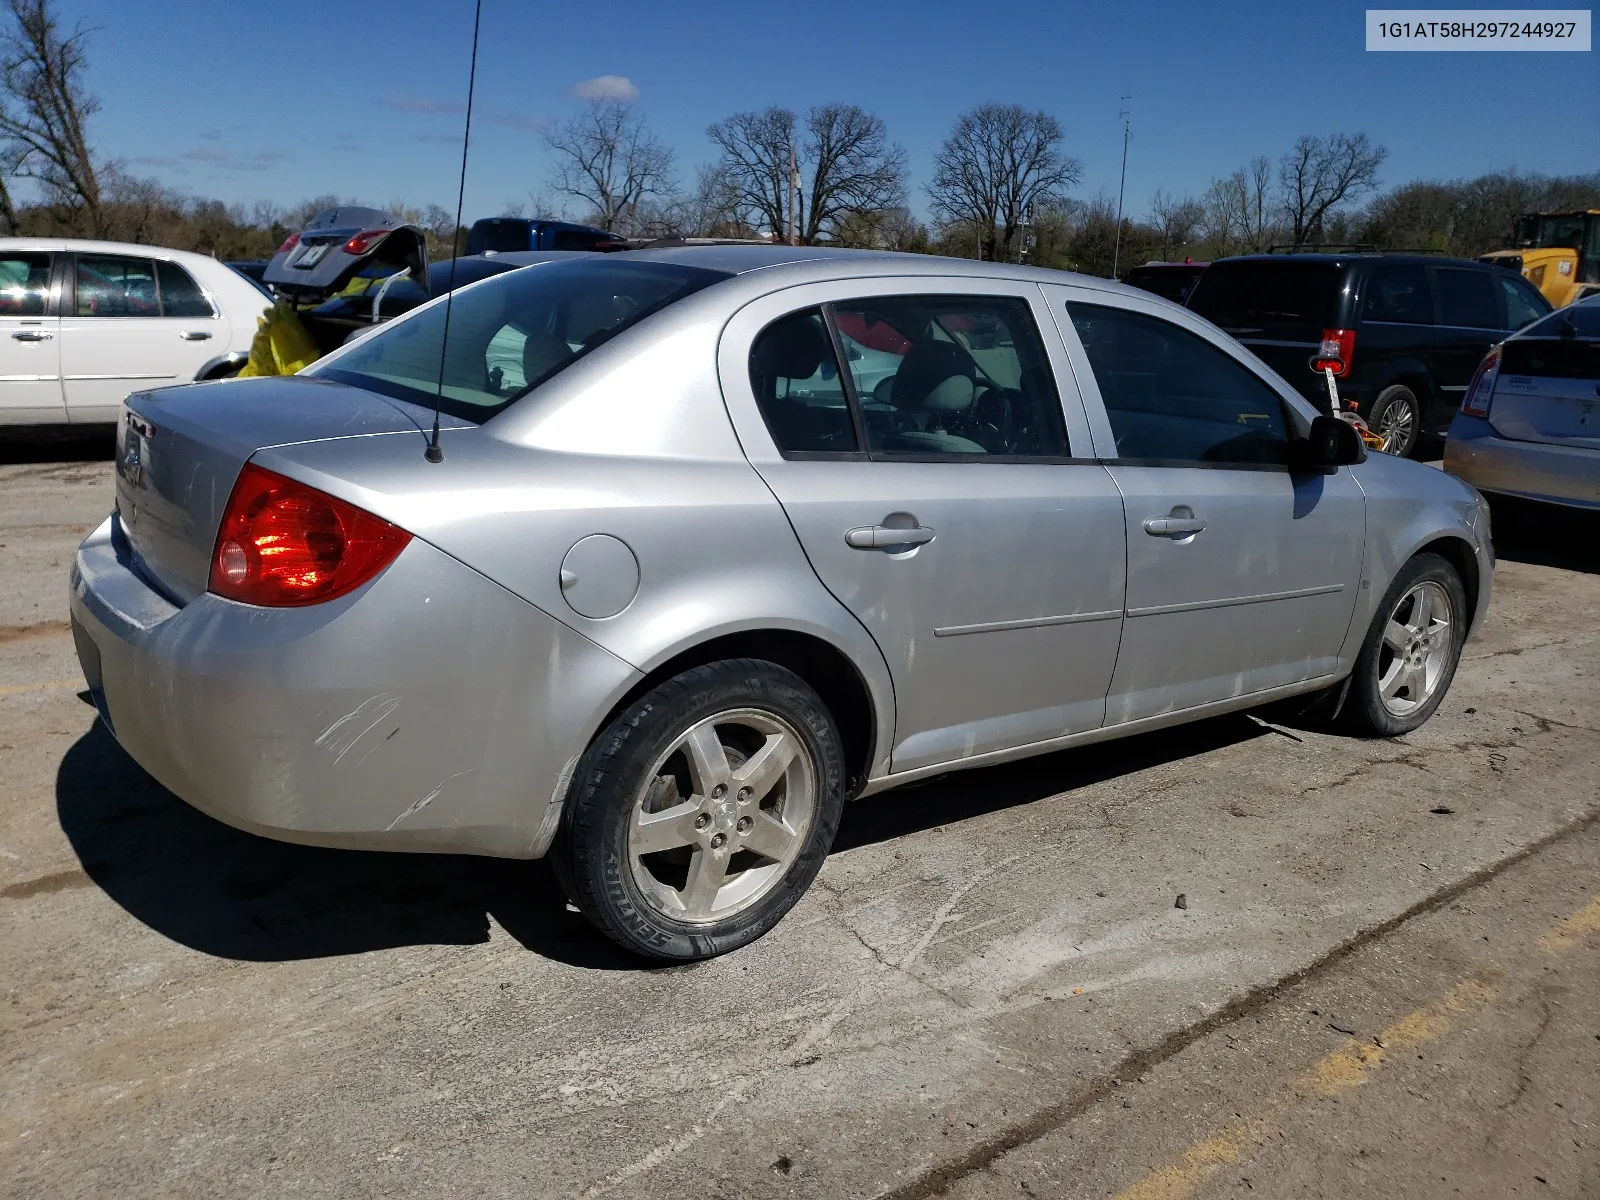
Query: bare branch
999,163
608,159
1319,174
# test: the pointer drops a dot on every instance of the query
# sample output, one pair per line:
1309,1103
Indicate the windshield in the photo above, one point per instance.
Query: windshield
511,333
1559,232
1262,295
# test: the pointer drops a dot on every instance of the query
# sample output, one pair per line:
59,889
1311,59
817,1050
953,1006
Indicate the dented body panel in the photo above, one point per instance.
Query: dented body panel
430,710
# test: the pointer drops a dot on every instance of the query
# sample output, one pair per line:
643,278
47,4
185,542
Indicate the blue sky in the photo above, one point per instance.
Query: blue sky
281,101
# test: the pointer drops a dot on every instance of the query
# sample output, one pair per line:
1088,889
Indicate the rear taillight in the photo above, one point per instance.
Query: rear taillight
1480,392
289,243
284,544
365,240
1337,351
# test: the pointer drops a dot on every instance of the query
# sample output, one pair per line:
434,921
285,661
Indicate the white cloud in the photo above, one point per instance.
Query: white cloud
606,87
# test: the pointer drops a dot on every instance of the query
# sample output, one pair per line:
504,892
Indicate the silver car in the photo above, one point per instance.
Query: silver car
702,568
1529,425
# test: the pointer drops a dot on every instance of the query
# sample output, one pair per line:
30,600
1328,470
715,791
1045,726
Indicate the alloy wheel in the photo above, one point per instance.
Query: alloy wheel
1417,643
1396,425
722,816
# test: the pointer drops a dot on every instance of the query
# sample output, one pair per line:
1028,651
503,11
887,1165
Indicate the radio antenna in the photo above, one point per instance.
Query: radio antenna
433,453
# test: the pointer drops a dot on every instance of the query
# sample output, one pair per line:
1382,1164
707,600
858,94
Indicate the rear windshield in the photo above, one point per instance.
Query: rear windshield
1270,297
1564,345
1170,283
1574,321
510,333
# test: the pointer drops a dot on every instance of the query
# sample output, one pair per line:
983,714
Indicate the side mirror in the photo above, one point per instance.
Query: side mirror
1331,443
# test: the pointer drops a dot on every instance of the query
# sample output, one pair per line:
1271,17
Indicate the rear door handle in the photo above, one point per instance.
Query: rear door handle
1172,526
883,537
194,335
33,335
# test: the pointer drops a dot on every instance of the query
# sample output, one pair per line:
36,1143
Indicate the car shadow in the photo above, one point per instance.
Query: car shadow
234,895
1546,535
94,443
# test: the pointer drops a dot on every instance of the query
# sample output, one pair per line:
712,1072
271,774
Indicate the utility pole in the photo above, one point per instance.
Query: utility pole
1116,249
794,196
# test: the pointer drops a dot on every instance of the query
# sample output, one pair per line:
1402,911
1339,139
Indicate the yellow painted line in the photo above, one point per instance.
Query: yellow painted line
1351,1065
1572,930
22,689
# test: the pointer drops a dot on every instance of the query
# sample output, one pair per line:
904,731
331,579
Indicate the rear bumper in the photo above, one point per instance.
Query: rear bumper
1552,473
430,710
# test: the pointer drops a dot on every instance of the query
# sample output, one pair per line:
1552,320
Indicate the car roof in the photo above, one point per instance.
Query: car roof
812,262
1350,257
90,246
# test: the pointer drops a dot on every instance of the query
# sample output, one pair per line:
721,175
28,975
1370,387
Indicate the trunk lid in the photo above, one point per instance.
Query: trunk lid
1548,391
180,450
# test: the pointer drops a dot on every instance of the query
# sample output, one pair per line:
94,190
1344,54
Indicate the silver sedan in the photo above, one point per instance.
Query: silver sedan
708,541
1529,425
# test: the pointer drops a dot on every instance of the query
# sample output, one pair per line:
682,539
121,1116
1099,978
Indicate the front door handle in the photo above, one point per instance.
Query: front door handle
194,335
33,335
883,537
1173,526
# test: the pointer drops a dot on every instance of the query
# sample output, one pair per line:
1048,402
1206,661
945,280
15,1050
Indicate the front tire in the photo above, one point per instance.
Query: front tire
1412,650
702,814
1396,417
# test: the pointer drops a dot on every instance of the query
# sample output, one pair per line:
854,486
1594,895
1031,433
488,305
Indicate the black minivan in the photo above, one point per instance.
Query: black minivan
1402,332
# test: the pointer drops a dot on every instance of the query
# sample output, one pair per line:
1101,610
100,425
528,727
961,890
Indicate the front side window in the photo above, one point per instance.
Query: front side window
114,285
1398,293
1174,398
1466,298
1523,305
180,294
961,376
510,333
24,283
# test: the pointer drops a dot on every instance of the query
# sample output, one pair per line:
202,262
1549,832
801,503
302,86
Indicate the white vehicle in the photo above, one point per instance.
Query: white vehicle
84,323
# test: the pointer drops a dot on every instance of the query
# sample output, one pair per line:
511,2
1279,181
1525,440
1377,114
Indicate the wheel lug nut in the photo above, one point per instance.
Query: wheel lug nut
744,795
744,824
717,840
718,792
702,821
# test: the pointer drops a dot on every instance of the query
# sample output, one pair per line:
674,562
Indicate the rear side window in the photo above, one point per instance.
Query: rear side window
1399,293
24,283
180,294
113,285
1466,298
1292,299
1523,304
1174,398
510,333
795,376
962,376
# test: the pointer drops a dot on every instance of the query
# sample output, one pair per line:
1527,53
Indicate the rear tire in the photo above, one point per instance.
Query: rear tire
702,813
1411,651
1397,417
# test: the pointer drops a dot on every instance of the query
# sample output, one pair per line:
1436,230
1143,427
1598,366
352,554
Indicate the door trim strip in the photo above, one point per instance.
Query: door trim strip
1158,610
125,375
1025,623
29,378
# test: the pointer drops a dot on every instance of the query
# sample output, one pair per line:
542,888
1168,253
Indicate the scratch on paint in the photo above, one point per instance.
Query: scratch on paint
426,800
378,708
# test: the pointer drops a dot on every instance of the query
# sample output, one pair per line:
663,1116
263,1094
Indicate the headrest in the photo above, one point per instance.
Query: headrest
793,349
931,364
541,353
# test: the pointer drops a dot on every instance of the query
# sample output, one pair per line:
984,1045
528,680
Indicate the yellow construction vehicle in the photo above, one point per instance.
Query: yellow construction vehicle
1557,252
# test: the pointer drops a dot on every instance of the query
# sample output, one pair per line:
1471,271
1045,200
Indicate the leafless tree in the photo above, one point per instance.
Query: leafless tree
757,148
1238,209
1319,174
609,160
999,162
44,108
1176,218
847,167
